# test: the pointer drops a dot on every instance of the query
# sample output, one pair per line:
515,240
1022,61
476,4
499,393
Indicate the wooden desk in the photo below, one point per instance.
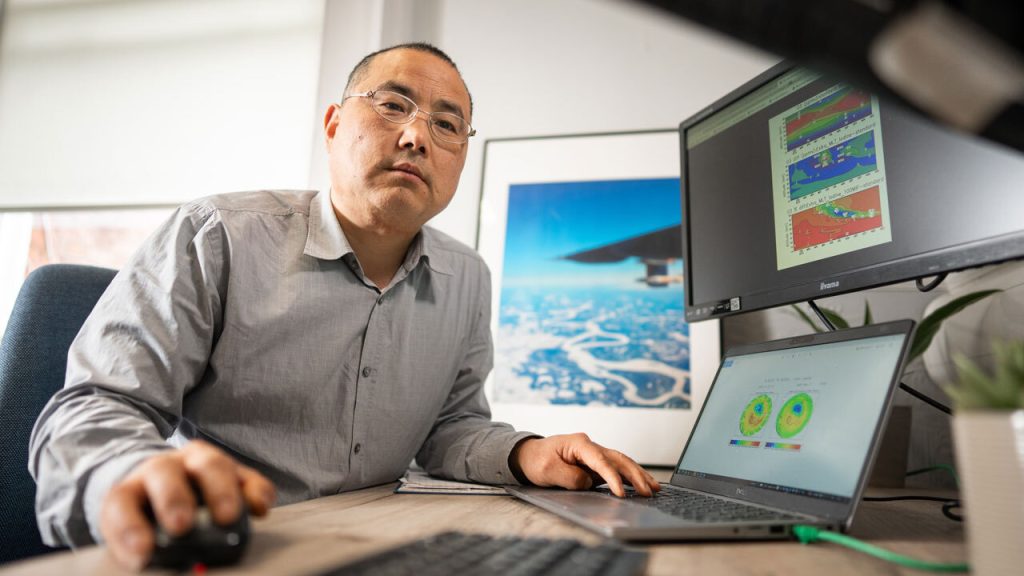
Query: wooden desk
312,536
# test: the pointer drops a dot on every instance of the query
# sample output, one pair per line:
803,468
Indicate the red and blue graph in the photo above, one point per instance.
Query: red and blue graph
840,218
832,166
841,108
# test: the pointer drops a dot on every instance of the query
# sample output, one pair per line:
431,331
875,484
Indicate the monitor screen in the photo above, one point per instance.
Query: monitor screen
798,186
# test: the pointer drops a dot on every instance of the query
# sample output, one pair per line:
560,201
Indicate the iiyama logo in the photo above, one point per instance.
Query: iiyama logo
739,492
829,285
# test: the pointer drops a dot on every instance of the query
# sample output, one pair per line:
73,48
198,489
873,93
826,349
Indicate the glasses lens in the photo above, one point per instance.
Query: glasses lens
449,127
393,106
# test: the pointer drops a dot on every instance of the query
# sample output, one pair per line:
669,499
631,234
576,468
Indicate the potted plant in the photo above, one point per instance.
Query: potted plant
926,329
988,432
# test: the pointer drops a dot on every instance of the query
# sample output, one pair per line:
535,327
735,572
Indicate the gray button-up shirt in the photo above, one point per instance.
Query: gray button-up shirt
246,321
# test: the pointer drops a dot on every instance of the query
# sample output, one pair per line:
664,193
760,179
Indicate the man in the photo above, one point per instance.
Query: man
316,342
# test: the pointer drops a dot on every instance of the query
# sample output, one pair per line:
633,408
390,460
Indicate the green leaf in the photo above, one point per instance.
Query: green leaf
834,317
867,314
1002,390
806,318
929,326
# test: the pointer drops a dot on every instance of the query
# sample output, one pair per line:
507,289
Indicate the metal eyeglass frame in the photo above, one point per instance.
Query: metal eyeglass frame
416,110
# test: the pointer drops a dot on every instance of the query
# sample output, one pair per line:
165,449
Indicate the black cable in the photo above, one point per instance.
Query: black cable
931,285
908,497
821,315
926,399
947,511
948,504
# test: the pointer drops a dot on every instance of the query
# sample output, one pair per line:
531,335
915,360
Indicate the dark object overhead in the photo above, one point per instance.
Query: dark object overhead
959,62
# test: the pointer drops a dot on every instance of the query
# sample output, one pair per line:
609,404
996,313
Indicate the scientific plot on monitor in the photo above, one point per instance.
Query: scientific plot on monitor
834,165
844,218
827,113
828,177
790,420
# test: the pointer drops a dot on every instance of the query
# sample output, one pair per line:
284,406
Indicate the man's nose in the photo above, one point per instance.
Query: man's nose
416,134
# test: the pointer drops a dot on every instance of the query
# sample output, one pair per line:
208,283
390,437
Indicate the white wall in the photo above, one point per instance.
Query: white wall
539,67
569,66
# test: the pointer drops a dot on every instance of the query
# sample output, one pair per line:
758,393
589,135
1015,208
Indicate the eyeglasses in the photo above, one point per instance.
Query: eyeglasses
399,109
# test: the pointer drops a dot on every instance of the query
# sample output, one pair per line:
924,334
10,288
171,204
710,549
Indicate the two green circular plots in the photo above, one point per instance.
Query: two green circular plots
793,416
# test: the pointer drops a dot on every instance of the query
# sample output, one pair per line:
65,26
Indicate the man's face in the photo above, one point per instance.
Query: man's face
394,177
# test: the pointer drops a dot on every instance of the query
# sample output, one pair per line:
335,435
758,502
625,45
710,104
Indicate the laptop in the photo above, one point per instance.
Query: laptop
786,436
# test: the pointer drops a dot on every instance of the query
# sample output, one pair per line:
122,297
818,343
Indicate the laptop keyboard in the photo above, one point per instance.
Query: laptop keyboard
703,507
460,553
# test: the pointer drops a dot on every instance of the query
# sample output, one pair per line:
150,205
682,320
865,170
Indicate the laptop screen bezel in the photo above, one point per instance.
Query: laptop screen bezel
840,511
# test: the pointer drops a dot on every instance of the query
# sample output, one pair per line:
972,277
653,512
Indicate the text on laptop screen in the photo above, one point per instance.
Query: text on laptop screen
797,420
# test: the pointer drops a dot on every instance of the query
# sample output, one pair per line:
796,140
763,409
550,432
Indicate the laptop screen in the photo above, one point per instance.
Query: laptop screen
797,420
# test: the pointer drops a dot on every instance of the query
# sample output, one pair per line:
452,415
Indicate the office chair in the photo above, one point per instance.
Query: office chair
50,309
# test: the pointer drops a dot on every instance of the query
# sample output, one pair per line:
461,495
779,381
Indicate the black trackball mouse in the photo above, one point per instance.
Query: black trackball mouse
207,543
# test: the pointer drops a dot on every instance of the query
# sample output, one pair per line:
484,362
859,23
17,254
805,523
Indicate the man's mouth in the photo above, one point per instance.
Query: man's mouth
409,169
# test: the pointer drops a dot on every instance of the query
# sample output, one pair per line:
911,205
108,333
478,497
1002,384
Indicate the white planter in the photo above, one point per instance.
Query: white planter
990,461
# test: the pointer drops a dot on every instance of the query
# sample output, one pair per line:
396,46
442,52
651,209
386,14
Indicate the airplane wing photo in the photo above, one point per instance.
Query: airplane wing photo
655,249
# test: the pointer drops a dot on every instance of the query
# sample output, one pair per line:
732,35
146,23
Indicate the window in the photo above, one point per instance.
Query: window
136,103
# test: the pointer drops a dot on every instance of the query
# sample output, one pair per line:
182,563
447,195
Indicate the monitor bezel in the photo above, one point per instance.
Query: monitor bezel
992,250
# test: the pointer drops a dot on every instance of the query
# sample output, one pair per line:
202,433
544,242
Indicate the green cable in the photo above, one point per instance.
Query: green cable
945,467
807,534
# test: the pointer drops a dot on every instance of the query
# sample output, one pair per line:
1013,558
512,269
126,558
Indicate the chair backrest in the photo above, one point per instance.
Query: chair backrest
49,311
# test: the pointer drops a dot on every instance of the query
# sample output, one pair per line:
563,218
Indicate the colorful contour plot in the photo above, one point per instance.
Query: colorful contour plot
846,216
841,108
794,415
832,166
755,415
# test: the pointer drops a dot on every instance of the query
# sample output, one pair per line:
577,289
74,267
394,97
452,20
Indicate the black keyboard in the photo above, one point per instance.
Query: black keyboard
703,507
459,553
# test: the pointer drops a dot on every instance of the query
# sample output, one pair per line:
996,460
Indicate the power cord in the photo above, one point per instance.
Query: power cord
948,504
808,534
947,467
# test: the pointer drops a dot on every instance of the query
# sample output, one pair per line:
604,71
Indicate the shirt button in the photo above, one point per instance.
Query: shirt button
357,448
380,301
366,372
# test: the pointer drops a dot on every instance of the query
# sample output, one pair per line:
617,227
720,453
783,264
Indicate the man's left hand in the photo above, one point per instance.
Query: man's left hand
575,462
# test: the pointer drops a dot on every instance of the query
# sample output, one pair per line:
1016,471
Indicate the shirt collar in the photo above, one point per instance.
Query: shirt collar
326,240
425,247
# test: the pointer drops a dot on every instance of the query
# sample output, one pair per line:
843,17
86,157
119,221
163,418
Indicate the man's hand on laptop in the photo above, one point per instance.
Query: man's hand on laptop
164,482
575,462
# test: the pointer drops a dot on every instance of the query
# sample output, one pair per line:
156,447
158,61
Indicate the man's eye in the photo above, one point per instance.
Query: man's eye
393,107
445,125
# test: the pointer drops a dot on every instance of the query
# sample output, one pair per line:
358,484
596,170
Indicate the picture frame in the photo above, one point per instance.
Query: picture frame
587,312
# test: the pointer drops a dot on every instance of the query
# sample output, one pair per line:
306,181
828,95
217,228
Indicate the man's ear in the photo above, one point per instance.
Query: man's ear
331,119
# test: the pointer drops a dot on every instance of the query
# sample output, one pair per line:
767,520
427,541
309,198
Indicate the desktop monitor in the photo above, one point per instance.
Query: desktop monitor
798,186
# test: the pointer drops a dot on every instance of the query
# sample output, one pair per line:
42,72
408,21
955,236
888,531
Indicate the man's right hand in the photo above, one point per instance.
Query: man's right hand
164,482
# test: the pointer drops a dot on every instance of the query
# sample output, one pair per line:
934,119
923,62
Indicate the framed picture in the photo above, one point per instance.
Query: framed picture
582,236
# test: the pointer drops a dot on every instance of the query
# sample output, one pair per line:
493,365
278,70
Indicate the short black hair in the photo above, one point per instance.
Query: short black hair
359,71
